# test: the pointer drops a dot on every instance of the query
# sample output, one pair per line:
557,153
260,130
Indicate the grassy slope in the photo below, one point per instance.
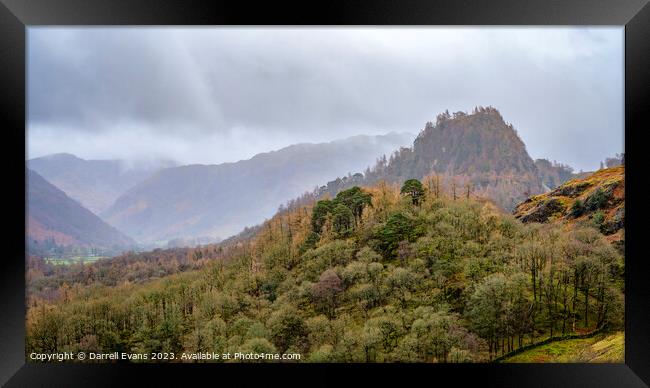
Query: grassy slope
609,347
584,187
611,180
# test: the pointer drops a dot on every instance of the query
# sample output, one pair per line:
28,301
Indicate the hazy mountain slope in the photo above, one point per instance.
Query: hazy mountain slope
553,174
96,184
51,214
220,200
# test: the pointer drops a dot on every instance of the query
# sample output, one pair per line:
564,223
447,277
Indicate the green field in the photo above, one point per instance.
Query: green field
609,347
72,260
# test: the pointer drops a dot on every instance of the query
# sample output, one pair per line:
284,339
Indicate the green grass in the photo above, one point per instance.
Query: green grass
72,260
608,347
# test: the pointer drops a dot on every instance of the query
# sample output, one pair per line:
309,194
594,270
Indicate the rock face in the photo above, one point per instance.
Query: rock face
598,199
571,191
546,209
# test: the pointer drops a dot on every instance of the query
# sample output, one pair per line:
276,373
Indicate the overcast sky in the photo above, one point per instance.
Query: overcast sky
223,94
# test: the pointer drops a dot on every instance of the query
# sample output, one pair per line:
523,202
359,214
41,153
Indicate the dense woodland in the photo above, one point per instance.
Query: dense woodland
419,272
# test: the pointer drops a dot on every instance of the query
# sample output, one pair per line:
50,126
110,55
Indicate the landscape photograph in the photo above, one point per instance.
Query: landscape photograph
325,195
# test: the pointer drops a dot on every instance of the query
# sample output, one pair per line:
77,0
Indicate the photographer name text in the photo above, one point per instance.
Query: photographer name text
201,356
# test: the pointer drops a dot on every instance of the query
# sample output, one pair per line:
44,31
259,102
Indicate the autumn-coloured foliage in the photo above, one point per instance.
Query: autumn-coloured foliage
449,279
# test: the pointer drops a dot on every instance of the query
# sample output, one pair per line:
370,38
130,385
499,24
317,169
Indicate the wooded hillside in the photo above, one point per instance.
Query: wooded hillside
376,274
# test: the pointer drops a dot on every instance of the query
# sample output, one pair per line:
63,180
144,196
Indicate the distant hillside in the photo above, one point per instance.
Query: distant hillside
553,174
52,215
598,199
478,152
96,184
220,200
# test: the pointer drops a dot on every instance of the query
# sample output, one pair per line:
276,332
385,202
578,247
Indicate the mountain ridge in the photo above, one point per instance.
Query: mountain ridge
220,200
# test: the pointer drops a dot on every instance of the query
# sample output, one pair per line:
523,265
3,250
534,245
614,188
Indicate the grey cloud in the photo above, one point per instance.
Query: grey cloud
221,94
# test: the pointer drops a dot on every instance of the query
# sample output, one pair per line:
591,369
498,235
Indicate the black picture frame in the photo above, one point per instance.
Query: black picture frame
17,15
